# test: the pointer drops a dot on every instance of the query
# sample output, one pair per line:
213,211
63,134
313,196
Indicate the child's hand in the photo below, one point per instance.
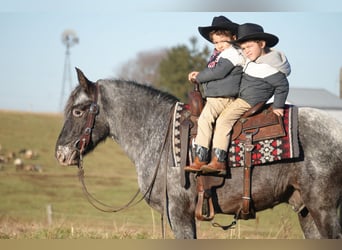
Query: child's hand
279,112
192,76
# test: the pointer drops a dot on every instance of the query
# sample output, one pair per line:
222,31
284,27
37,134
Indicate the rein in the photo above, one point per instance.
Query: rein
81,146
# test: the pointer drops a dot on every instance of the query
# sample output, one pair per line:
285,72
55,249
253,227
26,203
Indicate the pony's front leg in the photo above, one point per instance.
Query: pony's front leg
180,211
181,204
182,222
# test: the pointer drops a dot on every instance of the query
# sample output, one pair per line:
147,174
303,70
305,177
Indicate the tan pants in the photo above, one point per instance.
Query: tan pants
225,111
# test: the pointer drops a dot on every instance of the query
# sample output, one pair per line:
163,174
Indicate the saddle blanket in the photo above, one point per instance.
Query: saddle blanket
271,150
264,151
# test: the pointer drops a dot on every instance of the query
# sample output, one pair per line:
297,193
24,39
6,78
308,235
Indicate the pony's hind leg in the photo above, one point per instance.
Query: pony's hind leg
320,217
326,216
306,221
308,225
339,215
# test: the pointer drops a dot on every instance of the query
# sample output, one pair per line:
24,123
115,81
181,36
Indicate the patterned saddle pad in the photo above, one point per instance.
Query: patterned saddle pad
265,151
271,149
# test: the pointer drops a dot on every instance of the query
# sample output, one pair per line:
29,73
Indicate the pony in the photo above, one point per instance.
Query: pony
137,117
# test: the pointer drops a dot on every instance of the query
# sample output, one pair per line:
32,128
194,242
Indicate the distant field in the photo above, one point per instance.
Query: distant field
110,176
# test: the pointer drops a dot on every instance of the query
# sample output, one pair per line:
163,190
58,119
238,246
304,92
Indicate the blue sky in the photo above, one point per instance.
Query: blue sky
32,54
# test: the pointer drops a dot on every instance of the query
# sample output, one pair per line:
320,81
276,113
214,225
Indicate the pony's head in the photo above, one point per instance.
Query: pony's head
84,125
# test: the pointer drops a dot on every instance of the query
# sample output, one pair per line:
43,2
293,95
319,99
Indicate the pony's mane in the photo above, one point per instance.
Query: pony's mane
129,85
150,90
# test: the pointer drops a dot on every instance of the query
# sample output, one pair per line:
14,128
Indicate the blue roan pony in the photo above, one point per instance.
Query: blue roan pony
138,118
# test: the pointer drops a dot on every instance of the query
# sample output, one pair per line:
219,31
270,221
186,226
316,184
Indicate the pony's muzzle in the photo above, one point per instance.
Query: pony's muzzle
66,157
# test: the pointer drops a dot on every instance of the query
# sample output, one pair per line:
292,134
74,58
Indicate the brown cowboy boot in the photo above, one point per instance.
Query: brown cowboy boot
201,158
218,163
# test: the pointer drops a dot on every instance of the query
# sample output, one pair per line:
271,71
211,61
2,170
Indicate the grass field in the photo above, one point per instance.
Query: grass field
110,176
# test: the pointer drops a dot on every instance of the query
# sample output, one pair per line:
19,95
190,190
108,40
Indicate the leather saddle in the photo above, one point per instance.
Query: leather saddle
261,122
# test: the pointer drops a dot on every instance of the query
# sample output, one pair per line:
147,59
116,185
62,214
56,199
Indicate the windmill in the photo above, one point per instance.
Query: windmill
69,39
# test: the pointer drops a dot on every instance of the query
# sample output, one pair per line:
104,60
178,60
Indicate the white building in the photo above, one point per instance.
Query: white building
316,98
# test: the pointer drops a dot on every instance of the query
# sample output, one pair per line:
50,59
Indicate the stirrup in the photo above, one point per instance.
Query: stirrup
210,213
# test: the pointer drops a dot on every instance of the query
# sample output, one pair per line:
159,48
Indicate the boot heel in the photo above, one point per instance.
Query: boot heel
218,163
201,159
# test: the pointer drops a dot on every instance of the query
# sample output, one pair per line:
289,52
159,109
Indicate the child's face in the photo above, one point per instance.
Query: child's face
253,49
221,42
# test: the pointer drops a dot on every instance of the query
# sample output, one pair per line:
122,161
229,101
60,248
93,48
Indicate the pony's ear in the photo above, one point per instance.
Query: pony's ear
83,81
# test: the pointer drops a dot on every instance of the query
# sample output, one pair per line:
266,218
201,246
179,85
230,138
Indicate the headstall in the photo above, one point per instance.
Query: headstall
82,143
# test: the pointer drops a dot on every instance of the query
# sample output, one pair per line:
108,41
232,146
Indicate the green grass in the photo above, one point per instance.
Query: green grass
110,177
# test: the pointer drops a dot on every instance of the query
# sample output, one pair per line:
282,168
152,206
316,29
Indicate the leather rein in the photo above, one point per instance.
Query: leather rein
81,146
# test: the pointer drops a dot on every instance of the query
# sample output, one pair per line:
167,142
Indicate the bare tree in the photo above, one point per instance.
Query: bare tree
144,68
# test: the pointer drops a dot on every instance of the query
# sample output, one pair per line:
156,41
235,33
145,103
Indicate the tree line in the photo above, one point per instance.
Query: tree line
167,69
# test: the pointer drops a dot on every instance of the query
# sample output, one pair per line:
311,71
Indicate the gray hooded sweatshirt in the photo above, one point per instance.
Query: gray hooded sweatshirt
265,77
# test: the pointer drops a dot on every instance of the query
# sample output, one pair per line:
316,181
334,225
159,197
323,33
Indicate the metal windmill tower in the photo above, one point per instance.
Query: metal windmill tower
341,82
69,39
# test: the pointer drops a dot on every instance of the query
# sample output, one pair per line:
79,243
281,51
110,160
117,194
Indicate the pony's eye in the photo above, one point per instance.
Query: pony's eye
77,112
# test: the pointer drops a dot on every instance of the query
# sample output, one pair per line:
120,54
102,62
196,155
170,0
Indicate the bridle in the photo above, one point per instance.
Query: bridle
81,145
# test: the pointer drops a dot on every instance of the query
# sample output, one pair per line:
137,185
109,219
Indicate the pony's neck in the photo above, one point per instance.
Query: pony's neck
138,117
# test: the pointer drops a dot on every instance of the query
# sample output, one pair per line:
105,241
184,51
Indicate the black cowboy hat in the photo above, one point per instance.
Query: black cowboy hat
218,23
252,31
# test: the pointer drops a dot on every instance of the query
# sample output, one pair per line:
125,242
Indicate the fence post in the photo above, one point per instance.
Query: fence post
49,214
